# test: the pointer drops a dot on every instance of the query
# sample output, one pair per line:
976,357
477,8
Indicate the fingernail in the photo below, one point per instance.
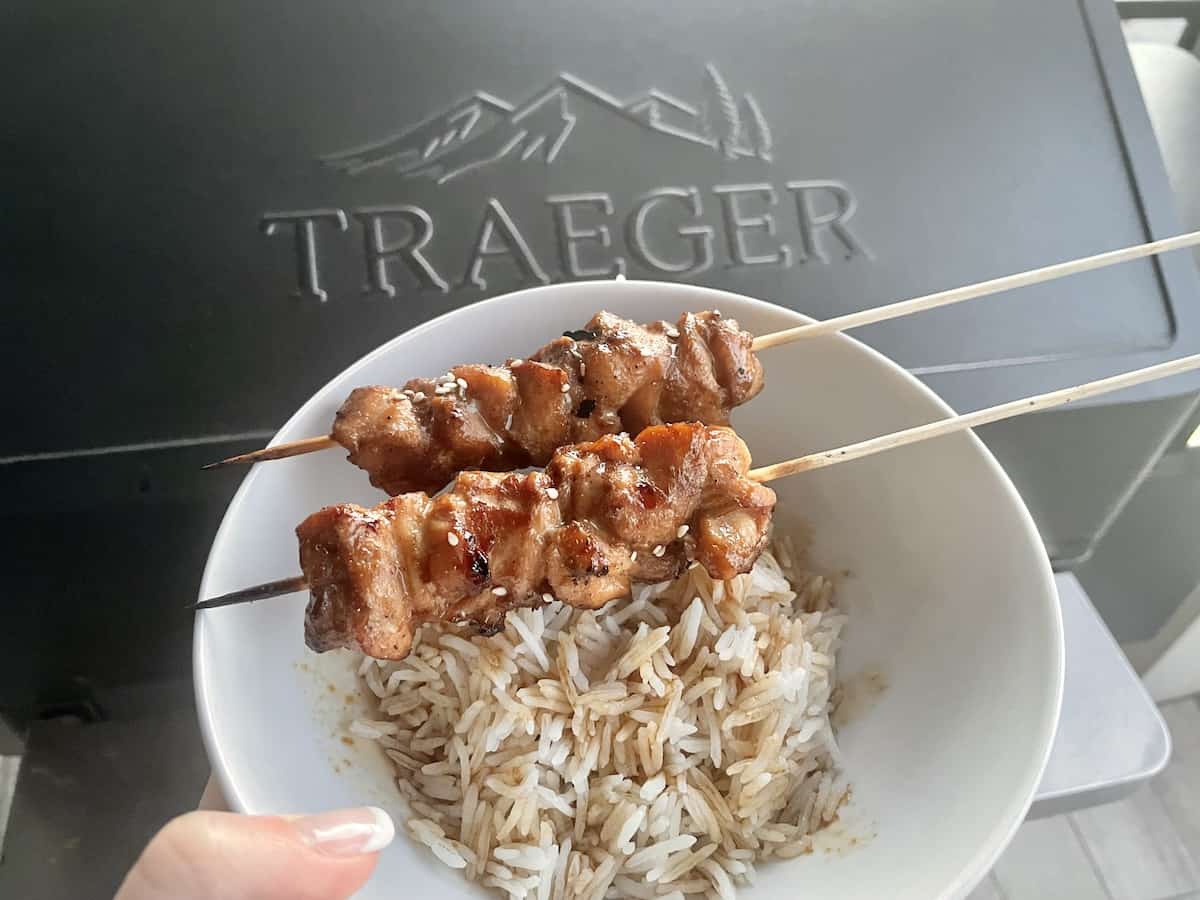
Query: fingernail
347,832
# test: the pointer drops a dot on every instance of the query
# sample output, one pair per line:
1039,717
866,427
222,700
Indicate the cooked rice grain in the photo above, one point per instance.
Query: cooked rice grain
658,748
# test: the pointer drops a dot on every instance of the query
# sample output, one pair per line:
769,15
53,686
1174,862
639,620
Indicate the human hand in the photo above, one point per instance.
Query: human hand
209,855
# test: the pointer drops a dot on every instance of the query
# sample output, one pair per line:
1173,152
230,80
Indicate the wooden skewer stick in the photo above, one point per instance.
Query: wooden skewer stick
846,322
279,451
972,291
854,451
258,592
974,419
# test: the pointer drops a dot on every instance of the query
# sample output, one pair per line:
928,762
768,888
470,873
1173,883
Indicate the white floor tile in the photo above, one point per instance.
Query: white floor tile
1136,849
9,766
1046,859
1154,31
1178,787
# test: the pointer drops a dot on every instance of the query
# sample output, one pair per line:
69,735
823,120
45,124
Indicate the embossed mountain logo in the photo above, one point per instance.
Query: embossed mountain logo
483,129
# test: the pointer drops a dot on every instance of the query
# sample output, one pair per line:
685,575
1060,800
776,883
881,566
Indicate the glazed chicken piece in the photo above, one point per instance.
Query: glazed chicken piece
614,376
602,515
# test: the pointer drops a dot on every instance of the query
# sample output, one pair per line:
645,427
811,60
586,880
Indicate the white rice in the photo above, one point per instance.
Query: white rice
655,749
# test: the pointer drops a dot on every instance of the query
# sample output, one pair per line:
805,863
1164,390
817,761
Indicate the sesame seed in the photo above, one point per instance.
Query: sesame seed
682,530
552,493
659,550
419,396
407,392
451,538
515,363
566,386
582,368
633,556
461,382
547,598
500,591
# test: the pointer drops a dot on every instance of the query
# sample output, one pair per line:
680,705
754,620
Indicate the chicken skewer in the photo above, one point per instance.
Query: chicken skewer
601,516
614,376
406,447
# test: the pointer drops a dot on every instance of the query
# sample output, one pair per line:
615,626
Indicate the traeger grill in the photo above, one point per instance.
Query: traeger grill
211,209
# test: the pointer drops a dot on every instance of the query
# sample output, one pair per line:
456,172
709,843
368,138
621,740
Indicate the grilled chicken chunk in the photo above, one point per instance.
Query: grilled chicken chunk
602,515
614,376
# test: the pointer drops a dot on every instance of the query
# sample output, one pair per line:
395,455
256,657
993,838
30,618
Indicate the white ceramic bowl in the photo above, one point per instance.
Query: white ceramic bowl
952,605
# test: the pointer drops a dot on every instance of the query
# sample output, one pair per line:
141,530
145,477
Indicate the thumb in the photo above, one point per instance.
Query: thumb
224,856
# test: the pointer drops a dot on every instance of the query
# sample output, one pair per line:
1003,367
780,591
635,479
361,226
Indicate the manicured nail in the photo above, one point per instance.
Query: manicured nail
347,832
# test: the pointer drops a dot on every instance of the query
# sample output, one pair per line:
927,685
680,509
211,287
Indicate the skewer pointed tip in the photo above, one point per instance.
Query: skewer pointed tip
250,594
279,451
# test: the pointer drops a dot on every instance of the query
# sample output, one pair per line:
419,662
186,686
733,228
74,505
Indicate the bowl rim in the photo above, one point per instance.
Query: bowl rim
696,296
